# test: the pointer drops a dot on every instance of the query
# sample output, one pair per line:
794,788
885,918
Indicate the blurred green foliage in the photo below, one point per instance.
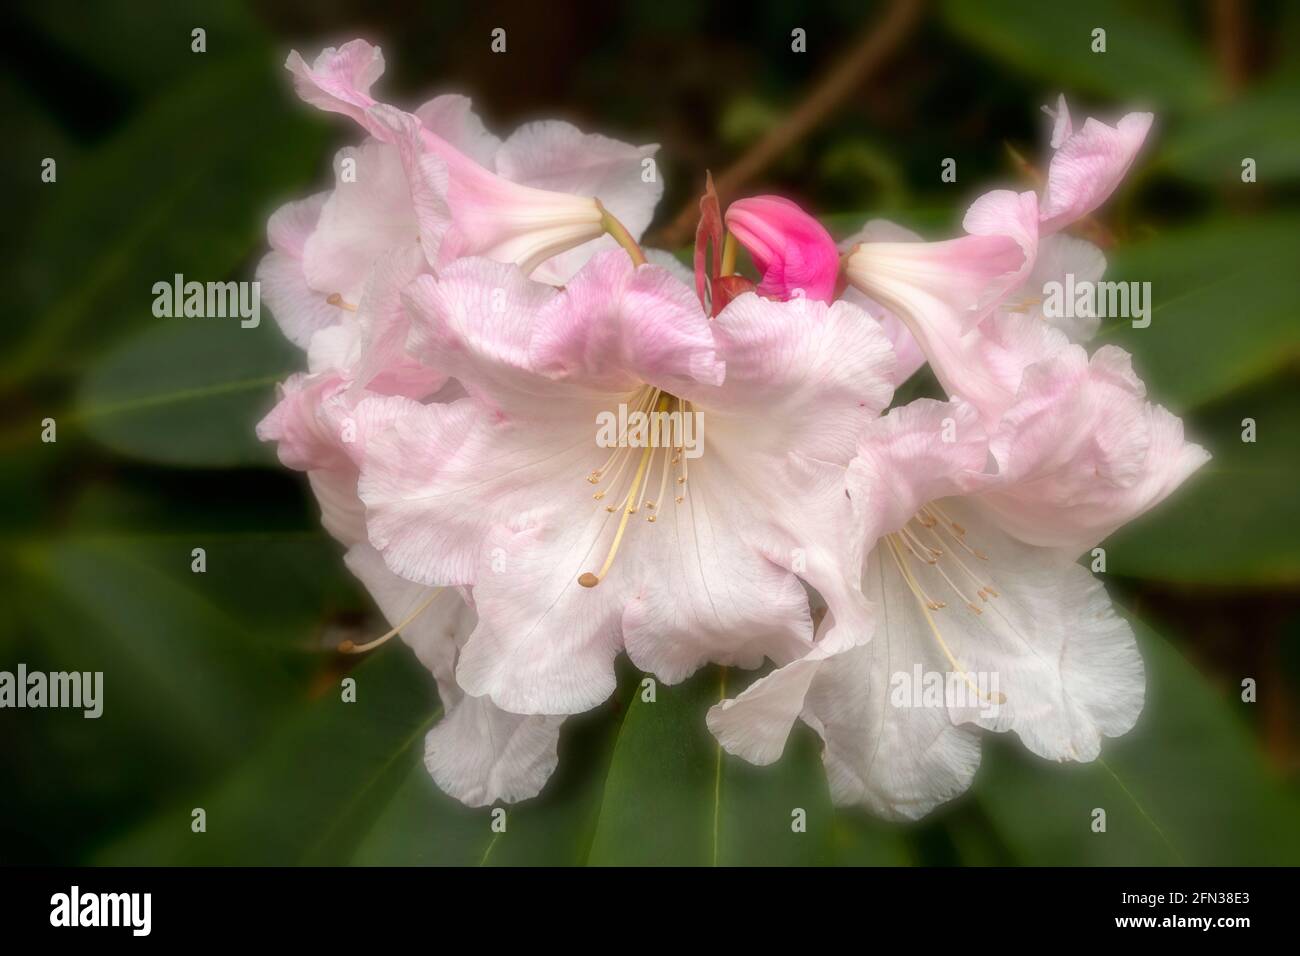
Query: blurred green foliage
219,692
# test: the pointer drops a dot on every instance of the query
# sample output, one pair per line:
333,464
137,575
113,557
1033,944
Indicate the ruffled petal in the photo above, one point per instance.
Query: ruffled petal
452,118
1081,452
443,476
293,223
914,454
615,327
718,584
382,364
942,291
1064,263
1088,167
1004,230
710,579
514,342
904,460
475,322
888,748
804,376
321,431
478,753
481,754
362,219
339,79
305,441
299,310
756,724
1047,654
544,644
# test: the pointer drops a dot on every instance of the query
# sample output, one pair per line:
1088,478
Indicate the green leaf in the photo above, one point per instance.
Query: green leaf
1260,124
1186,786
187,392
1223,313
1234,522
859,839
269,565
423,826
195,665
173,192
1149,58
345,782
307,794
673,797
31,135
930,221
213,685
151,43
184,687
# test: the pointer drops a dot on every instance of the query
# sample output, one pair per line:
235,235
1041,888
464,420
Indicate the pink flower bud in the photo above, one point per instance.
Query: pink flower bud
792,250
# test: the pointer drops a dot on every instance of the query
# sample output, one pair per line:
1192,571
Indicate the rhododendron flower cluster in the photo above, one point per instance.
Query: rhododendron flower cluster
477,312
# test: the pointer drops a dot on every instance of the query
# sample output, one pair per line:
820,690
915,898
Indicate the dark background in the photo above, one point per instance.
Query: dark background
220,688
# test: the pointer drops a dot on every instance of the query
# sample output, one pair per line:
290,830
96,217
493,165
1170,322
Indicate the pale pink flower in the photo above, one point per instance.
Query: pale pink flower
424,189
477,753
547,191
316,424
1068,261
323,425
1085,169
793,251
910,356
1088,165
576,551
944,292
437,181
974,579
979,509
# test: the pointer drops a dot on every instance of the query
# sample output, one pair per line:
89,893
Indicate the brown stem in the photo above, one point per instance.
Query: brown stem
1231,40
871,50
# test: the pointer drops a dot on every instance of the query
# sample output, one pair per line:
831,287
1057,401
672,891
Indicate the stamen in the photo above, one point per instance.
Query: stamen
681,449
976,552
663,484
934,605
589,580
917,592
957,558
647,398
335,298
625,455
945,523
916,554
935,553
956,528
985,590
349,647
